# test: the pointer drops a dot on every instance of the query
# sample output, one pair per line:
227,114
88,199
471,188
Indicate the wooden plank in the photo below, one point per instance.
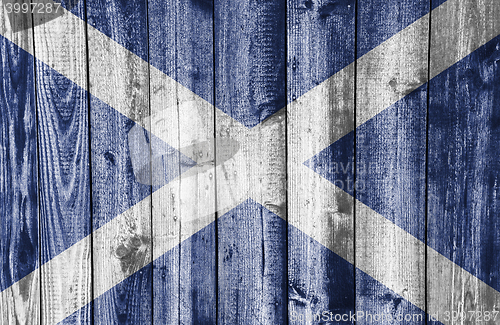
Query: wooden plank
181,43
321,211
250,85
19,228
463,162
390,159
195,61
64,169
166,204
115,187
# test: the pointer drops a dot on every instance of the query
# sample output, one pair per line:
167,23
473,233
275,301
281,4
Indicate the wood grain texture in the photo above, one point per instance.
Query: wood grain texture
194,64
390,160
19,214
126,247
315,120
170,104
184,279
463,163
63,133
249,85
162,20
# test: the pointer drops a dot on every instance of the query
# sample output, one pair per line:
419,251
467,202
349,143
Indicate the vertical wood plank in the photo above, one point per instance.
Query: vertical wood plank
250,83
320,44
181,43
390,159
64,167
463,161
195,61
162,22
115,185
19,213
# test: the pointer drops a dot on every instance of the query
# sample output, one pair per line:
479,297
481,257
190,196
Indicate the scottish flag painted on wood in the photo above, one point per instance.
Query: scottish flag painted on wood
246,162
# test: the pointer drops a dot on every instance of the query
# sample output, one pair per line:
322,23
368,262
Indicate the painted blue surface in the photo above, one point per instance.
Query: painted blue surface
192,264
250,58
437,3
320,42
198,278
378,20
390,159
390,162
336,163
117,186
131,300
306,282
19,231
123,21
63,135
464,166
318,280
252,264
181,43
254,49
110,152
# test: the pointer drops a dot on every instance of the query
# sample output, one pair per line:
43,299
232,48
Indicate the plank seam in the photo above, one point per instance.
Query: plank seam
216,214
151,234
90,166
355,97
426,203
38,180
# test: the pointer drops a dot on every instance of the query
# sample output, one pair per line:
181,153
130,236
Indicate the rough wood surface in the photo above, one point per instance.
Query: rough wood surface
63,134
126,248
390,158
463,141
184,278
19,214
249,86
275,164
315,120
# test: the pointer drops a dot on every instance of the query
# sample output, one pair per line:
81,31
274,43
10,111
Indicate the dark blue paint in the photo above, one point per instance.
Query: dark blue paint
192,264
378,20
309,290
123,21
372,297
336,163
166,274
318,279
252,266
117,185
181,42
19,231
181,45
320,42
76,7
130,301
250,52
112,161
198,280
464,168
250,58
437,3
63,139
63,134
390,163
